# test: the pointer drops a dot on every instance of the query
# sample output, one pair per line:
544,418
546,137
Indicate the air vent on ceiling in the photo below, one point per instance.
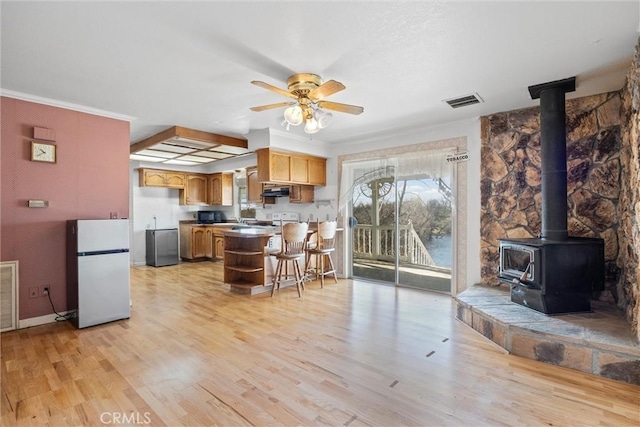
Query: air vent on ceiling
463,101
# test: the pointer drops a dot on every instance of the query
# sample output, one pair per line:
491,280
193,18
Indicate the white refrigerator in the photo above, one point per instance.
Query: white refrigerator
98,270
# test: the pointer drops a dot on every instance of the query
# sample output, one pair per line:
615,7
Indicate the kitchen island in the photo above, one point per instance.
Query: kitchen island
248,265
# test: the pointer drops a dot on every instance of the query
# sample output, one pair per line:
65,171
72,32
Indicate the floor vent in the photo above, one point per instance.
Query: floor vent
463,101
8,296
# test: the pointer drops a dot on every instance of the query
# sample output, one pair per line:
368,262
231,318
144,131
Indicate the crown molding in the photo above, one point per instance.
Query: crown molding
66,105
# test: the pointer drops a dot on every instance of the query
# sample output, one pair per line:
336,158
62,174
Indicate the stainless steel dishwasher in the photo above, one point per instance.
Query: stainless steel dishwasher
162,247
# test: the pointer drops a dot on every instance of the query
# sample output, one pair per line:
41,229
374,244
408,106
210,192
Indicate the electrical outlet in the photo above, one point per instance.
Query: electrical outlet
33,292
45,291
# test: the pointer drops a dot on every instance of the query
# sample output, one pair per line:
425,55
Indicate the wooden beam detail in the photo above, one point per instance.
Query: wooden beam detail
182,132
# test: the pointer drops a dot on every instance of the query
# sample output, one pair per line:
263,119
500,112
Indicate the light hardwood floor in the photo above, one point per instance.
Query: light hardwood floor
354,354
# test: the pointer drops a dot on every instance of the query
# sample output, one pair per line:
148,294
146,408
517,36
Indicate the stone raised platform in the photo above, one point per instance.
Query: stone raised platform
599,342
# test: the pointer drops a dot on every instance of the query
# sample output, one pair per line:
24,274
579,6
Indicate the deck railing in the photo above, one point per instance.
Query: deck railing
379,243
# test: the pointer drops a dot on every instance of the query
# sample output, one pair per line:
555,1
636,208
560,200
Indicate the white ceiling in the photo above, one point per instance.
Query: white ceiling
190,64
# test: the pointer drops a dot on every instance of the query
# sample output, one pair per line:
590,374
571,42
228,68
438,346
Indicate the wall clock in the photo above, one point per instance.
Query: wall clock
43,152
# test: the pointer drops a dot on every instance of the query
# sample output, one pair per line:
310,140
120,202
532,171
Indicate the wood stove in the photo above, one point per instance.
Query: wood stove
553,276
554,273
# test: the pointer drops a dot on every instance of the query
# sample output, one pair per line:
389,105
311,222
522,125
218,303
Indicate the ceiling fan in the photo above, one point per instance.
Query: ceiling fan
309,92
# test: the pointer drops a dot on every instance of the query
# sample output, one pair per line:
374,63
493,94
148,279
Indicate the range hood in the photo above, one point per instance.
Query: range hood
187,147
276,192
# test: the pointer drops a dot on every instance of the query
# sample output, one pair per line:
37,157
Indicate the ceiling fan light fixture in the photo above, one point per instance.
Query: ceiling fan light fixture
311,126
293,115
324,118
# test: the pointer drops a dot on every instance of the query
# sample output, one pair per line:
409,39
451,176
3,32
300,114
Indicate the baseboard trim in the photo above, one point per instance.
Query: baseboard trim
40,320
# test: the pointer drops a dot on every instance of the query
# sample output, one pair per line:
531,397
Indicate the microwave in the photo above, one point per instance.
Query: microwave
211,217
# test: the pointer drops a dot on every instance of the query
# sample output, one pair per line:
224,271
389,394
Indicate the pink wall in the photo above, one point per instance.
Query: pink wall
90,180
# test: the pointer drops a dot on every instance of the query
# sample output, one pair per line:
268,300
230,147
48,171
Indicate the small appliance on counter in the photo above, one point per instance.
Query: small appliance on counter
162,247
98,270
211,217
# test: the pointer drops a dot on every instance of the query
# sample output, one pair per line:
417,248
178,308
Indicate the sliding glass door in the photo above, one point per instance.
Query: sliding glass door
401,221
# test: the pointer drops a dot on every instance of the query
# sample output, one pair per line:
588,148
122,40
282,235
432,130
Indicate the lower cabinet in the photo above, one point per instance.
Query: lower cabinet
193,242
218,244
209,242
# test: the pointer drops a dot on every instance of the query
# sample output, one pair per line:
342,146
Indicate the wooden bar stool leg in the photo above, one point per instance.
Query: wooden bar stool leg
333,269
296,275
321,267
276,277
302,276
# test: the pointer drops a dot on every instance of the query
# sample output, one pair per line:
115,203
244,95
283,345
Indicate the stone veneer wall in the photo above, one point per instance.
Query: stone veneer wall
510,180
629,234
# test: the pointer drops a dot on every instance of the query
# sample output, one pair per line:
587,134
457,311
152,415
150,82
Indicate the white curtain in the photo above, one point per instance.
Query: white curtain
430,163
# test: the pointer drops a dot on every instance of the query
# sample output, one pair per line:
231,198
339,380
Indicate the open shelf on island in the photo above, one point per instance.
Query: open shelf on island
244,261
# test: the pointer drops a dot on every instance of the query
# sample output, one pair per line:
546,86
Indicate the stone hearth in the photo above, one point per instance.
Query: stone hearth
598,342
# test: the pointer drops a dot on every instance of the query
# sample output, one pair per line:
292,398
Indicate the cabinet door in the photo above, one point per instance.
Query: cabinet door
151,178
199,242
254,188
195,190
186,236
301,194
299,170
215,189
208,242
219,247
279,167
174,180
317,171
226,189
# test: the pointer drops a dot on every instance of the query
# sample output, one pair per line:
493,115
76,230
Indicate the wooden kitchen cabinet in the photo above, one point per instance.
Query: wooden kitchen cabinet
290,168
317,171
220,189
161,178
299,169
195,190
208,244
193,242
301,194
218,252
254,188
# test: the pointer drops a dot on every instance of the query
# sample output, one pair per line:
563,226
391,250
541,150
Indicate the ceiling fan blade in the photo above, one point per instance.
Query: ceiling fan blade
273,89
270,106
326,89
343,108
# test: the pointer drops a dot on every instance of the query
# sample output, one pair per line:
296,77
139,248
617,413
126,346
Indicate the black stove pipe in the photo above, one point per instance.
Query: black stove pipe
553,155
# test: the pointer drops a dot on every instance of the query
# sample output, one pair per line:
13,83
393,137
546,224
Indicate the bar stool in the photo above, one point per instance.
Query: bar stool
325,244
294,240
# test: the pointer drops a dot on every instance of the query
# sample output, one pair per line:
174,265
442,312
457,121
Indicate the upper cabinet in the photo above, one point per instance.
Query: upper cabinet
161,178
254,187
195,190
290,168
221,189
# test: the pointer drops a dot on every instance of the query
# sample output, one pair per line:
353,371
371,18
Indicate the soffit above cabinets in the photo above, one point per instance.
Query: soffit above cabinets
187,147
